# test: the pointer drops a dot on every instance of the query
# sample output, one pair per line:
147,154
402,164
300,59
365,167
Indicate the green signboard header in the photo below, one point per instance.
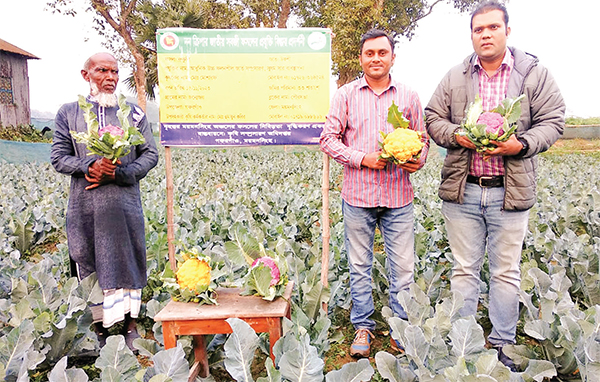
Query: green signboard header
259,40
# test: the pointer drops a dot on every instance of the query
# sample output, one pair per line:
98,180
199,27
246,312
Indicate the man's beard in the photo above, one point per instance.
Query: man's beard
103,99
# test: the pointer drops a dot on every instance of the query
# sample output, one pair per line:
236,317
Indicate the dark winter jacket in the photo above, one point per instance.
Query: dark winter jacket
541,124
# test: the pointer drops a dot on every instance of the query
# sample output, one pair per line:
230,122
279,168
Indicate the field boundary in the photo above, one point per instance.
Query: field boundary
582,131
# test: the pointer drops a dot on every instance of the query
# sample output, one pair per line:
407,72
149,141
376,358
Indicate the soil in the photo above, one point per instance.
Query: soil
572,146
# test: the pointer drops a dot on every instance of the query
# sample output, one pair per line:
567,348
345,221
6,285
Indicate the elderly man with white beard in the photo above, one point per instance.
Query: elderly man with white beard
105,221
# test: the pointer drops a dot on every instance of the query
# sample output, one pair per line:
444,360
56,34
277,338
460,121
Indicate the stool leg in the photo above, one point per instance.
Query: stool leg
169,335
200,355
275,333
288,312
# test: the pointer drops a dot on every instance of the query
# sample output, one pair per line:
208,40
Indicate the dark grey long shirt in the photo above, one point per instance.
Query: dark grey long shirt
105,225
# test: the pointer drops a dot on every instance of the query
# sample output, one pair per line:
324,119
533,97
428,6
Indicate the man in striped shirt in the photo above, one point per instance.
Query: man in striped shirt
374,191
487,197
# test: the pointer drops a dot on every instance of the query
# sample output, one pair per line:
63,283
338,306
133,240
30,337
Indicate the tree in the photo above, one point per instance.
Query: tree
147,19
205,14
136,22
350,19
267,13
118,14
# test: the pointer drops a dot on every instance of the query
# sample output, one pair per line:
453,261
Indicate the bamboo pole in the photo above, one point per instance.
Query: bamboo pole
325,226
170,219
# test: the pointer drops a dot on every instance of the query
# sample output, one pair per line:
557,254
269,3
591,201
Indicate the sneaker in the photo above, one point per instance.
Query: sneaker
396,345
361,346
506,360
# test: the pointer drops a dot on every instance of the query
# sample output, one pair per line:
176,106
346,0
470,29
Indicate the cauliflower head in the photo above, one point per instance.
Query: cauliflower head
269,262
402,144
494,123
193,272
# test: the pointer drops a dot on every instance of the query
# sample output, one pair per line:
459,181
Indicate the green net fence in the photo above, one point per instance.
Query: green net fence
24,152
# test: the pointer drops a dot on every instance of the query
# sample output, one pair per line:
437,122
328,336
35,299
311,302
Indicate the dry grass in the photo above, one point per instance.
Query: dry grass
572,146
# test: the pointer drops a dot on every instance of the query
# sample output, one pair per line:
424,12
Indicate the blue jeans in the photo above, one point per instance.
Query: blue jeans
397,228
478,225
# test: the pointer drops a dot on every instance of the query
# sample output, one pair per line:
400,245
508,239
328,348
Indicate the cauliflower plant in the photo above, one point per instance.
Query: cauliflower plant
495,125
402,145
194,280
266,277
269,262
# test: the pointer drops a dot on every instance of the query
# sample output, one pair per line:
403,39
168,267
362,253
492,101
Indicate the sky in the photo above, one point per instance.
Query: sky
562,34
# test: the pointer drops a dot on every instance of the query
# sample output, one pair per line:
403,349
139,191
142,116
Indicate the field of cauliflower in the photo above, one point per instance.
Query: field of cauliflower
228,201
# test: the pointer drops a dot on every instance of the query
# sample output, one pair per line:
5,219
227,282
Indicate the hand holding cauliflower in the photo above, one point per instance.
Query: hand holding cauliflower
402,144
497,125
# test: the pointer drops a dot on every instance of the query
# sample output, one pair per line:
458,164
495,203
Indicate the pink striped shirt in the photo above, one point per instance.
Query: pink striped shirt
356,116
492,91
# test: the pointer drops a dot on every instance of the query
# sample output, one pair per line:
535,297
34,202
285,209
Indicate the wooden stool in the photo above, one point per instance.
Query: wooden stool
181,318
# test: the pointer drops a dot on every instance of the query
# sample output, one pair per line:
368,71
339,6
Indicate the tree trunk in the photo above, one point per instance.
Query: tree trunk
140,78
139,74
285,14
345,76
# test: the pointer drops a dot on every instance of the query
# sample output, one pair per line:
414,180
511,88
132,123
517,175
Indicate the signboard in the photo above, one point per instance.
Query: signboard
240,87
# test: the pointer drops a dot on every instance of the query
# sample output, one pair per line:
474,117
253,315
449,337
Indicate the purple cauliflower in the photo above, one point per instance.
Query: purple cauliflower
115,131
493,122
269,262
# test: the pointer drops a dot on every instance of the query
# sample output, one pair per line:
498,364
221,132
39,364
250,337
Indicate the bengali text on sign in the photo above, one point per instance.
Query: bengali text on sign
243,87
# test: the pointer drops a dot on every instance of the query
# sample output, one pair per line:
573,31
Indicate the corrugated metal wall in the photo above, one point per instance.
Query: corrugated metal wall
14,67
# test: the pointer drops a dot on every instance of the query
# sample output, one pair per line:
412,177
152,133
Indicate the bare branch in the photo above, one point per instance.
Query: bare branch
130,8
429,11
101,7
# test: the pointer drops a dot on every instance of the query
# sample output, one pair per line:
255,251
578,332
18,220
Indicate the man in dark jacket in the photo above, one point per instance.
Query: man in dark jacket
487,196
105,221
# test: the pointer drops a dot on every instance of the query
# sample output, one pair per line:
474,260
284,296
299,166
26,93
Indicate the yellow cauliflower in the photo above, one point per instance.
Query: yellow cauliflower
193,272
401,145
